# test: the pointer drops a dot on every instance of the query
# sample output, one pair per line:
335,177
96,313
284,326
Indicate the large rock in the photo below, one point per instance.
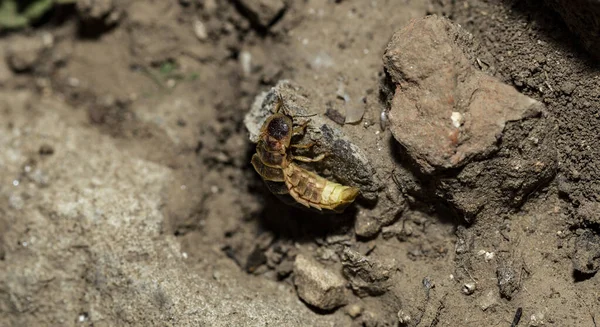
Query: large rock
318,285
471,139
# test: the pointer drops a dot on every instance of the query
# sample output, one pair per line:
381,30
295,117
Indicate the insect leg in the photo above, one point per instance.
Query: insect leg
307,159
303,146
300,130
278,104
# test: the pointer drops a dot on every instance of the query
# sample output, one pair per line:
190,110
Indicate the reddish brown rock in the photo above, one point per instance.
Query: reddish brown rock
445,112
472,140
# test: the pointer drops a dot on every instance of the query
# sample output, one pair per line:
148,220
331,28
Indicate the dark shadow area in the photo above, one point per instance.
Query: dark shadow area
579,276
302,224
93,29
550,23
254,20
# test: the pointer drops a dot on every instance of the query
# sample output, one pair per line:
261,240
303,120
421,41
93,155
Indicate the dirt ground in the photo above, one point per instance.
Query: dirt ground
127,196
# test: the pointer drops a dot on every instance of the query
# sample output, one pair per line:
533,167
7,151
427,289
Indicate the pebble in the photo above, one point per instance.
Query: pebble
469,288
317,285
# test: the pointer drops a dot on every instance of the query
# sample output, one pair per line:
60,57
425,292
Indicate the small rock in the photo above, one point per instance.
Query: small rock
468,288
537,319
465,240
567,87
354,310
24,53
508,279
366,275
369,319
98,11
589,212
200,30
262,12
317,285
403,317
488,300
587,253
393,230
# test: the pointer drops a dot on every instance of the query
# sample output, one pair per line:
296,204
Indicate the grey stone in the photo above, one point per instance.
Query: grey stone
586,258
103,11
262,12
508,276
24,53
318,285
367,276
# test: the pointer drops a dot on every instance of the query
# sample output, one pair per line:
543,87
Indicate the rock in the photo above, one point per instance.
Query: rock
487,300
317,285
366,275
103,11
581,16
469,288
567,87
24,53
354,310
147,24
507,275
465,240
589,213
263,13
586,259
473,140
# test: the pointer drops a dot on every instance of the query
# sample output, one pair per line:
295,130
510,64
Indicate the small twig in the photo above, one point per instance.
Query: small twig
441,307
517,317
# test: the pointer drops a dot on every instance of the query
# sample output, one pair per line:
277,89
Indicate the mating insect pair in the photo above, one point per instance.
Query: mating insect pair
274,162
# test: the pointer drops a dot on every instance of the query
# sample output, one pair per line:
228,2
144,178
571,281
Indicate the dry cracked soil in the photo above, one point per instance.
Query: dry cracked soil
471,127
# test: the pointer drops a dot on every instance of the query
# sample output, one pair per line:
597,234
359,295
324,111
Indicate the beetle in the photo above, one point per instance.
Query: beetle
276,164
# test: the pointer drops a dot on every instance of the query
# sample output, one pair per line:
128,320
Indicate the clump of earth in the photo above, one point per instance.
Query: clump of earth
127,196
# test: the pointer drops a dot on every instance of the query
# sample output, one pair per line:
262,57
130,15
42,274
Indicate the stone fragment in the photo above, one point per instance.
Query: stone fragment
473,140
92,11
586,259
507,274
469,288
354,310
367,276
24,53
263,13
317,285
487,300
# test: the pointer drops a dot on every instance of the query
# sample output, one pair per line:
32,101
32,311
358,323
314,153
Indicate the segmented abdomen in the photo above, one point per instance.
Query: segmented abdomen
315,191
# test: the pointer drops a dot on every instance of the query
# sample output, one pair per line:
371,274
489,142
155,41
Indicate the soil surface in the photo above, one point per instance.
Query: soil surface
127,196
